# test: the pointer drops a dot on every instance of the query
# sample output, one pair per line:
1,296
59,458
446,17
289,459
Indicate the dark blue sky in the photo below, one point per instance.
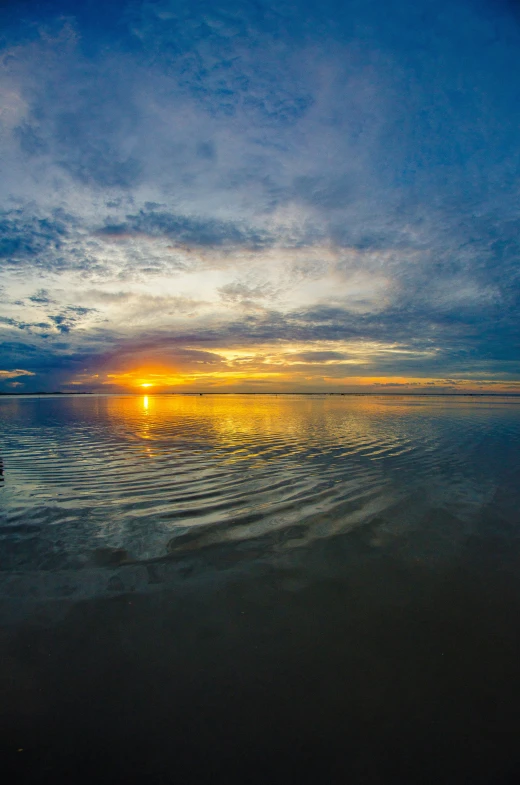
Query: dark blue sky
250,195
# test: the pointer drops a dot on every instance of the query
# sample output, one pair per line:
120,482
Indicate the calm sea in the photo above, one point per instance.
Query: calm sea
260,589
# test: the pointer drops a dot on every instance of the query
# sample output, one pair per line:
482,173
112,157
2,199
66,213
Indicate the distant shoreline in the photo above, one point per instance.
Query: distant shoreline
208,392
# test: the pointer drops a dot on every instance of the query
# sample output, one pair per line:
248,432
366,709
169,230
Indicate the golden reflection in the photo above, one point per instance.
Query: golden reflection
249,422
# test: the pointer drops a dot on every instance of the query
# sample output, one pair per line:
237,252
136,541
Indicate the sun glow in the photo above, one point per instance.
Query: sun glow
323,366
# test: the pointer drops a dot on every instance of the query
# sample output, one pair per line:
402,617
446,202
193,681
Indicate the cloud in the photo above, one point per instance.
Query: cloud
318,357
29,326
41,297
14,374
215,175
25,236
244,294
187,231
228,58
63,322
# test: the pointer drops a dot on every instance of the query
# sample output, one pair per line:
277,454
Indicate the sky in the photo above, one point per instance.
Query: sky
260,196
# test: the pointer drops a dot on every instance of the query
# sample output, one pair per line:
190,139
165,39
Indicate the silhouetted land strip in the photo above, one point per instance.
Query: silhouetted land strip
214,392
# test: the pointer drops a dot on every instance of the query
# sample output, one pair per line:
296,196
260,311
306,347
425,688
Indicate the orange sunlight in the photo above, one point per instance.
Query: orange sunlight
307,380
284,371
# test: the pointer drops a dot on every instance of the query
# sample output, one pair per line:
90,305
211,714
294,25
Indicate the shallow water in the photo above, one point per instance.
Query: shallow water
260,589
150,474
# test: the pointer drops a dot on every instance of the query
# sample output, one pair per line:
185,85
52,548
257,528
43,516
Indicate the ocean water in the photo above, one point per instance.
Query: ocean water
260,589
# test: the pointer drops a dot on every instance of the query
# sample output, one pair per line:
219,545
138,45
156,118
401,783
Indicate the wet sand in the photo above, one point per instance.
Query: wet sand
344,663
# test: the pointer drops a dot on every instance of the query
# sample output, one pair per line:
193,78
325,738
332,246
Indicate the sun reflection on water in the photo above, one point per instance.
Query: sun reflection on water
240,467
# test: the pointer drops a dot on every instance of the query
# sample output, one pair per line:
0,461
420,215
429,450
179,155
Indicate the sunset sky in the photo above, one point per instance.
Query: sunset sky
260,196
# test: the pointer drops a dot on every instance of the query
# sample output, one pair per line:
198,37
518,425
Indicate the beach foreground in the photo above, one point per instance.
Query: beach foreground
368,644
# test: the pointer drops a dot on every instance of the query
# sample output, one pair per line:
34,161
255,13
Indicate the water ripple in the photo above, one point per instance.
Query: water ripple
149,475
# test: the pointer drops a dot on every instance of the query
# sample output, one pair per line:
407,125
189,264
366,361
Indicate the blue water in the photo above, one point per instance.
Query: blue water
260,588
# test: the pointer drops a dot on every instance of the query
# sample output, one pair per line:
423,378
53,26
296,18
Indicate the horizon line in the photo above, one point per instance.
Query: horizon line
212,392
